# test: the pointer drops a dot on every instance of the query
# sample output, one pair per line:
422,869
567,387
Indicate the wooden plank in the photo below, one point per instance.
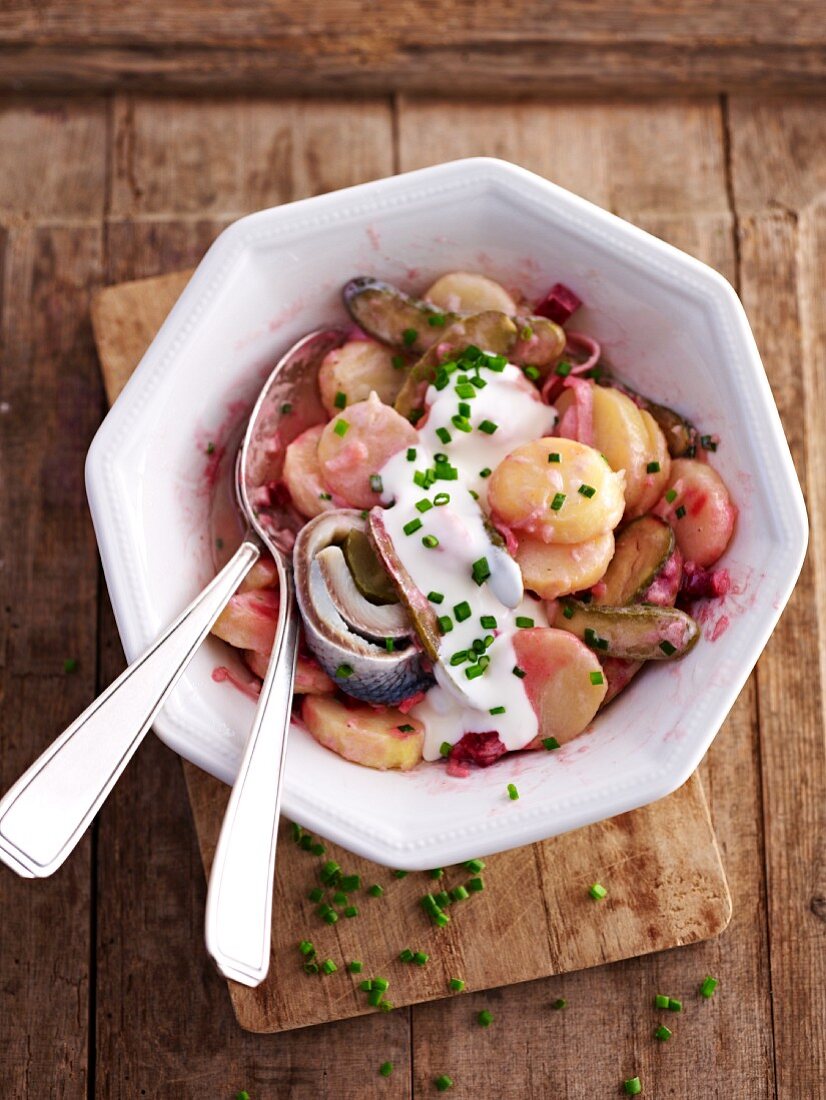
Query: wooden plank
464,48
50,397
778,176
664,167
165,1022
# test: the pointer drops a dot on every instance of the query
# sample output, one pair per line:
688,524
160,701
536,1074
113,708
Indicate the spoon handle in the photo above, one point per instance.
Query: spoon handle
239,899
45,813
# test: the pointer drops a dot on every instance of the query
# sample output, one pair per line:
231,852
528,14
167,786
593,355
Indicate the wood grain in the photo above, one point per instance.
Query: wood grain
782,238
664,167
464,47
50,400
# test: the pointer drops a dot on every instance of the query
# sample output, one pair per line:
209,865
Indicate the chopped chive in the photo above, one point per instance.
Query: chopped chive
671,496
242,1095
411,454
340,400
437,872
374,997
568,611
341,427
436,597
286,408
557,502
381,984
219,544
486,472
412,527
430,541
488,622
318,848
456,985
592,639
708,985
330,917
488,427
344,672
70,664
306,948
674,1005
523,622
375,891
306,842
376,484
398,362
329,967
316,894
390,644
475,884
420,958
462,611
563,369
531,372
310,967
667,648
351,911
461,423
652,468
661,1001
415,415
632,1086
513,793
366,986
386,1006
406,956
467,392
480,570
475,671
663,1033
459,657
559,1003
325,496
485,1018
385,1069
441,499
497,710
210,448
587,490
708,443
400,874
444,748
520,672
597,891
409,337
444,435
597,678
406,728
437,320
443,1083
459,893
474,865
554,456
550,743
355,967
680,512
445,624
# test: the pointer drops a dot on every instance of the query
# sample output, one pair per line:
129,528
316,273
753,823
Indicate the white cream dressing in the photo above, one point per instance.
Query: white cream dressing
457,704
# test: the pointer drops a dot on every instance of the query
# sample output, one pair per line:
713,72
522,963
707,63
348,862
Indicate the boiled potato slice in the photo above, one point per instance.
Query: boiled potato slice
262,575
536,496
702,514
354,370
655,480
464,292
564,682
356,444
620,434
366,735
553,569
303,477
310,678
249,619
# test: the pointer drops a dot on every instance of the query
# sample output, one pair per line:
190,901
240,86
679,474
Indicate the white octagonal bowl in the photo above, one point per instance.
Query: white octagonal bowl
668,324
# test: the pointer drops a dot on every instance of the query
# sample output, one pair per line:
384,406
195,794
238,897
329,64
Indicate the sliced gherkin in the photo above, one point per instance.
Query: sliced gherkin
642,549
392,316
372,579
639,633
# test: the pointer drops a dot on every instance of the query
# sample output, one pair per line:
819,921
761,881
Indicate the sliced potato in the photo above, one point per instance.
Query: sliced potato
356,444
465,292
539,497
656,479
262,575
642,549
620,434
350,373
374,737
310,678
249,619
702,514
638,633
563,681
557,569
303,477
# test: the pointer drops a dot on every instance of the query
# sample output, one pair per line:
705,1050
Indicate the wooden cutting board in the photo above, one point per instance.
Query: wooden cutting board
660,865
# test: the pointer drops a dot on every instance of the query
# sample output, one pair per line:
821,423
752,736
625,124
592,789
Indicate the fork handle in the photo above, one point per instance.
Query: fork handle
47,811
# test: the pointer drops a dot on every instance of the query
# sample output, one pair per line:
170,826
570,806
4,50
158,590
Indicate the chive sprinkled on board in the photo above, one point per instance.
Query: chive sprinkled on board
708,985
485,1018
633,1086
385,1069
443,1082
661,1001
376,890
456,985
559,1004
597,891
663,1033
70,664
355,967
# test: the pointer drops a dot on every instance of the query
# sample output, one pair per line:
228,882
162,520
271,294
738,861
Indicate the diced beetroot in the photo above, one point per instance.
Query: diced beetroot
699,583
558,304
483,749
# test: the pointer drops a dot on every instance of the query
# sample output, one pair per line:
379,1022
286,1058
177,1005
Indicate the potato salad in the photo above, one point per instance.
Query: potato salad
496,533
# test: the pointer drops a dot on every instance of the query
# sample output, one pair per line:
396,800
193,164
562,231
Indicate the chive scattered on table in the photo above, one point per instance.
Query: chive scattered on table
633,1086
597,891
485,1018
559,1004
443,1083
707,987
375,891
355,967
663,1033
456,985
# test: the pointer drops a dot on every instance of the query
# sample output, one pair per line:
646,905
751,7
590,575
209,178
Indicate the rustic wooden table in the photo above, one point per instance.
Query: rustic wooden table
105,989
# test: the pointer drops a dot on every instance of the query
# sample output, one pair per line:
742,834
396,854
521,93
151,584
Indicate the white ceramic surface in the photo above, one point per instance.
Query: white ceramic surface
671,326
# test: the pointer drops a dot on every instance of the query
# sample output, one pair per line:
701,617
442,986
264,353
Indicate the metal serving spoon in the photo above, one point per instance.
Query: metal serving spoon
45,813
